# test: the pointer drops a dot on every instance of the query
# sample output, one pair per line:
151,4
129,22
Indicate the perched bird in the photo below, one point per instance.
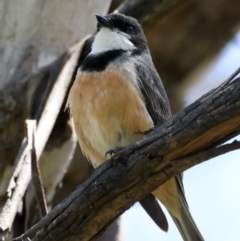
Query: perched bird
117,93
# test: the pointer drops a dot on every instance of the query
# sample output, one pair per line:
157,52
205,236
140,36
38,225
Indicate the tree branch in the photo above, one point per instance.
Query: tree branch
188,138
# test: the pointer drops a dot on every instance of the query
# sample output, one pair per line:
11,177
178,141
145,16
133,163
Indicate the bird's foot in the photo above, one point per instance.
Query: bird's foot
113,151
118,158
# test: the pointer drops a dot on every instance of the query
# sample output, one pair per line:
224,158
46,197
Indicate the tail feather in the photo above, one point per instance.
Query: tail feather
186,225
171,195
154,210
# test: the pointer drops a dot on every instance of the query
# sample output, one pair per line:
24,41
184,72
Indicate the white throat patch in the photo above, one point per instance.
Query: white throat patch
107,39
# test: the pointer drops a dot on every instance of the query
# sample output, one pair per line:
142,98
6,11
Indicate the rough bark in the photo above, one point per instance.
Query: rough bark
190,137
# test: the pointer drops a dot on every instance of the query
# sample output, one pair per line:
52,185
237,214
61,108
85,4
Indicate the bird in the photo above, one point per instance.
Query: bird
116,97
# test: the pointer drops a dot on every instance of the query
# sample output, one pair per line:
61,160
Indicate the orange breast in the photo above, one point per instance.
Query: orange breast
107,110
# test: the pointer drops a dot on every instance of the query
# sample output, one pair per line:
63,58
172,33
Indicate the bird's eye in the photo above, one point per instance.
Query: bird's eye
129,29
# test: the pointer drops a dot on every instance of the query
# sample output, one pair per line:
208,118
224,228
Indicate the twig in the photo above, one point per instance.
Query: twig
203,156
232,76
44,128
36,176
229,79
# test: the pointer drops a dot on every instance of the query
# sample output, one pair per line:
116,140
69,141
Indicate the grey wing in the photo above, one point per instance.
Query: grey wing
159,109
155,97
153,92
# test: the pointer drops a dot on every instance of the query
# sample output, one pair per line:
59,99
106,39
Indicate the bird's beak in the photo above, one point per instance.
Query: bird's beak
103,22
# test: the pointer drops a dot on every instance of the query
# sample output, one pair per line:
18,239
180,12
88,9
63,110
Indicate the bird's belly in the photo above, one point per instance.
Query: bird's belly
107,111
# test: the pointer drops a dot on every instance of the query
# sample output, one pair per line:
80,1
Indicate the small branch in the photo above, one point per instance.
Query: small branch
229,79
184,140
202,156
233,75
36,176
44,128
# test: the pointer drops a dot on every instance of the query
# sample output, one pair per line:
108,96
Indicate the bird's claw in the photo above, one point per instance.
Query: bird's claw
143,132
113,151
118,158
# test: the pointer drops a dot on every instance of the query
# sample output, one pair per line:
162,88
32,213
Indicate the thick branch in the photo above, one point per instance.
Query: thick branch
191,136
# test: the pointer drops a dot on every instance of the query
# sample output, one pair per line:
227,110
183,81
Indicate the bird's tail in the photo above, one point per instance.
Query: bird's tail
186,225
154,210
171,195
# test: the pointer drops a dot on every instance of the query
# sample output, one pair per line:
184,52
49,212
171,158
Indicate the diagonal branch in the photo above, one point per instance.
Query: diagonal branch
186,139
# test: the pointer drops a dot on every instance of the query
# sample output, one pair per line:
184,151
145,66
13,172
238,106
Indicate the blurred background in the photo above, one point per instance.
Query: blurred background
195,46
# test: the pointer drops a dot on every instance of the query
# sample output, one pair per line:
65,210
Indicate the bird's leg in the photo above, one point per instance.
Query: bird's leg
118,158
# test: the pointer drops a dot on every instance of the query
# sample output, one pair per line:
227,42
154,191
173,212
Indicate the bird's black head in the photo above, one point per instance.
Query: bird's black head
118,32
